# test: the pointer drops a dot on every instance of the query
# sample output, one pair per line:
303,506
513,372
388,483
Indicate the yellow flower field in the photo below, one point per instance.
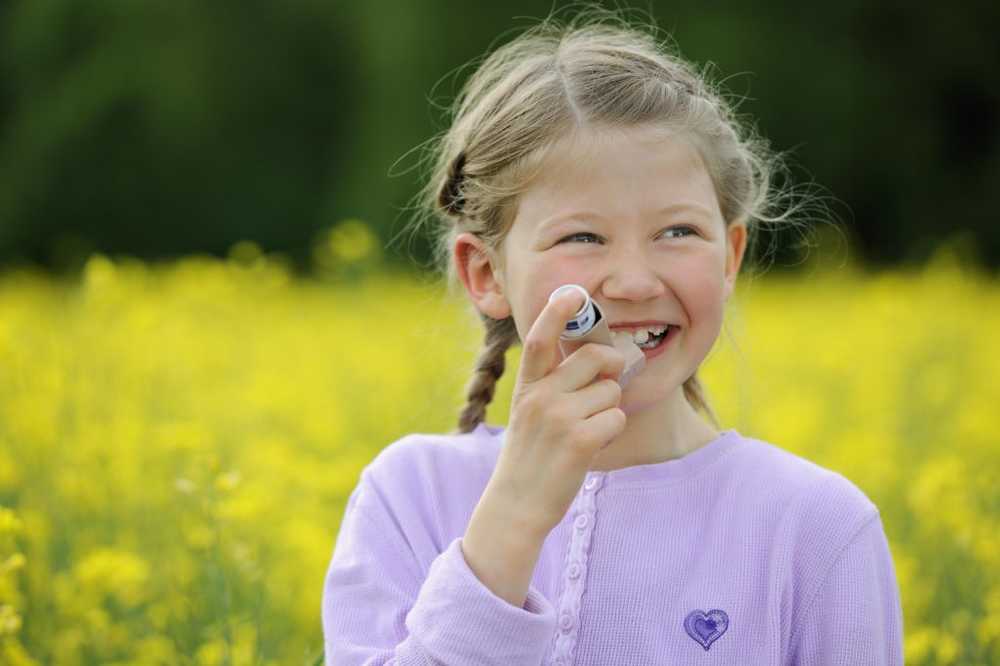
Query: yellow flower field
177,441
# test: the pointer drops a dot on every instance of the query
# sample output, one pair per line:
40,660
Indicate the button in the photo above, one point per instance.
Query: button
559,662
581,522
565,622
593,483
574,571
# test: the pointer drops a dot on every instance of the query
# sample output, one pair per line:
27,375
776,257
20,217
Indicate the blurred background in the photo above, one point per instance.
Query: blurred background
159,129
200,271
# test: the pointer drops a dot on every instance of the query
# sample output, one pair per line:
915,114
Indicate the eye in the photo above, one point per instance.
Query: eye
578,235
587,234
681,228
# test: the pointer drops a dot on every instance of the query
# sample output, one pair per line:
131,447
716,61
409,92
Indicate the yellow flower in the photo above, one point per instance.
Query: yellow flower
10,621
116,573
9,522
12,563
179,449
228,481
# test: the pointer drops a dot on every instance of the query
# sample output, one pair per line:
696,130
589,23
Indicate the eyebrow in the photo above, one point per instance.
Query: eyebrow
666,211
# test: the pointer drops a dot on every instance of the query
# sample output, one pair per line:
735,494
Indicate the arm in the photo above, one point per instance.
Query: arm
380,607
500,551
855,616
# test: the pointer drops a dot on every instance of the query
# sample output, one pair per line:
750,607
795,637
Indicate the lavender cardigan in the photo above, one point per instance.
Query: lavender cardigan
736,553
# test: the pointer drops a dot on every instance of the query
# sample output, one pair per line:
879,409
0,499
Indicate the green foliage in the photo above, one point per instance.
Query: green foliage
159,128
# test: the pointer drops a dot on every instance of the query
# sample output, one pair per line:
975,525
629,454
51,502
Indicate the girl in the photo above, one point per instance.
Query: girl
602,525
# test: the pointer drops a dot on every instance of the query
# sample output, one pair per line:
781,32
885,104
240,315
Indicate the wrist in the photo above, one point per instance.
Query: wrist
524,524
501,554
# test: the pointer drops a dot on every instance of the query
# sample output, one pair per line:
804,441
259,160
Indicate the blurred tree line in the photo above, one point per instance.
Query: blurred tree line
156,129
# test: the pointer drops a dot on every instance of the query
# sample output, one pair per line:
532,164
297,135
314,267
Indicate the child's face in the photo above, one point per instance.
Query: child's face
678,267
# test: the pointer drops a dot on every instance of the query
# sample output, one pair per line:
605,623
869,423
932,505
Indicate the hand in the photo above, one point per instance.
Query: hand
563,413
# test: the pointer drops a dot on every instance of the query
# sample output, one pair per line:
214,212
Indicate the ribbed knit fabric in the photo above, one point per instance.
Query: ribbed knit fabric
738,553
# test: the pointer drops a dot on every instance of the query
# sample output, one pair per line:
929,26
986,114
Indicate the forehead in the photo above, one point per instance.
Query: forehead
618,172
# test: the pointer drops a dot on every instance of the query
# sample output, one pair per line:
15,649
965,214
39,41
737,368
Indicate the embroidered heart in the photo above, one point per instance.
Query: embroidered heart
706,627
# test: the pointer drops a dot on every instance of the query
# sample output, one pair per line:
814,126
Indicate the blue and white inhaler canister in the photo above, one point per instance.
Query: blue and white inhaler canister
588,324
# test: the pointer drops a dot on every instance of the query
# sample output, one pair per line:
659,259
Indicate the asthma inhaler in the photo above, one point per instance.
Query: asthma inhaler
590,325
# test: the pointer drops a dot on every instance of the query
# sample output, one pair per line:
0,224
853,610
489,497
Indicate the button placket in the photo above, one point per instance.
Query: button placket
575,568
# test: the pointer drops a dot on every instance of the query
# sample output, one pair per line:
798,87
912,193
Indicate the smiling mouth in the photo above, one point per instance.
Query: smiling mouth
656,344
655,341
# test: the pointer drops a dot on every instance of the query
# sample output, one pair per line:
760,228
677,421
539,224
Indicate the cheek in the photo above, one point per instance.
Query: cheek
536,282
702,291
554,273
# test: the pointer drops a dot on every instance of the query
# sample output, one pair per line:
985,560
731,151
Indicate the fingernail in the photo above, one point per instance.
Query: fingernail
575,298
575,294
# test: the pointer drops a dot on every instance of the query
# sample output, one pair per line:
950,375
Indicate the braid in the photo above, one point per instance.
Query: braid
695,394
450,198
500,335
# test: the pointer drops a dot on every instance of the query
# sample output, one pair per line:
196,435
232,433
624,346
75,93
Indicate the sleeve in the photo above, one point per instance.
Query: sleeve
378,608
855,618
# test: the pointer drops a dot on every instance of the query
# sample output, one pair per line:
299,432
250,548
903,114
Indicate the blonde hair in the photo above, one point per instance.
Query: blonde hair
597,69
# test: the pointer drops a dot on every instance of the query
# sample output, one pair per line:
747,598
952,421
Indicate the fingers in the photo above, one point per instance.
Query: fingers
599,396
590,361
602,428
541,345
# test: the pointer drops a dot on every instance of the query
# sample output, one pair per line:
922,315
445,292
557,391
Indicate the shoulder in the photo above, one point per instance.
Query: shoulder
810,512
815,513
827,535
430,483
807,490
434,456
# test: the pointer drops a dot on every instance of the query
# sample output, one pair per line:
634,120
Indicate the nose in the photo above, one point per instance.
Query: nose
631,276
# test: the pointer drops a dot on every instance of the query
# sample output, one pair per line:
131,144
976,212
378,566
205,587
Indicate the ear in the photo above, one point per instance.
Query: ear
736,244
483,281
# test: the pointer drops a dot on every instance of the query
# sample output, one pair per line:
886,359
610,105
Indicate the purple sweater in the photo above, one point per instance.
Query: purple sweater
738,553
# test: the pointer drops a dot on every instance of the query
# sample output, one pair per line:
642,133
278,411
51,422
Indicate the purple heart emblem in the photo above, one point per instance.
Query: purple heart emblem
706,627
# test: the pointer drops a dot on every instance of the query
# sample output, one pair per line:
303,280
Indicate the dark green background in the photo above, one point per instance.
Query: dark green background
157,129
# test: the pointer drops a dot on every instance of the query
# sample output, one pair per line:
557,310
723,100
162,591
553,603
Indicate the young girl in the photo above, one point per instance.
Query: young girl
603,525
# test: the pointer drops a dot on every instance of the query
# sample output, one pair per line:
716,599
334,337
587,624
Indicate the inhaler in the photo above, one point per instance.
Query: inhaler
590,325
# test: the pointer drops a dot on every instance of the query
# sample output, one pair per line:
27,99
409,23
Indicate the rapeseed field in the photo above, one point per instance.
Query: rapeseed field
177,440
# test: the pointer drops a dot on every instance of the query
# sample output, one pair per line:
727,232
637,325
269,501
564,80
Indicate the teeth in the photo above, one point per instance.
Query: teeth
643,335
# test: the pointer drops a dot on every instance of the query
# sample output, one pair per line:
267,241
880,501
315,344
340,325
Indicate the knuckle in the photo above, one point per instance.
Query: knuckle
591,351
532,344
562,417
530,404
614,388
